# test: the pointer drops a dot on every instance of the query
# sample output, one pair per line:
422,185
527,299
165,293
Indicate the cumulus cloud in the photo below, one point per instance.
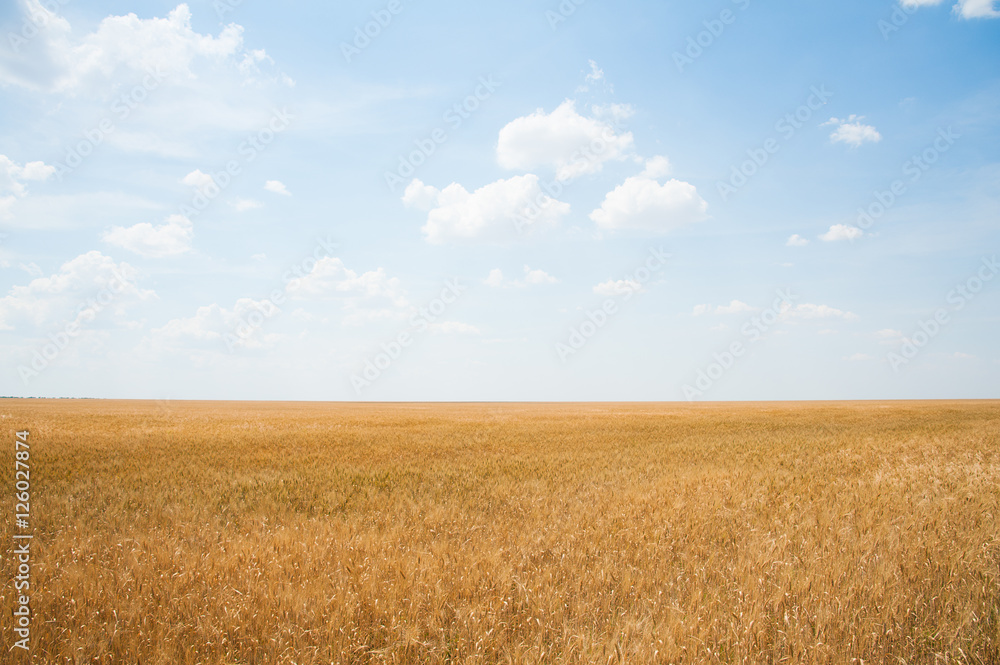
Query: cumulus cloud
242,205
965,8
216,328
12,181
657,167
538,276
811,311
198,180
493,211
453,328
852,131
842,232
277,187
532,277
60,61
618,287
735,307
331,277
495,278
169,239
615,112
977,9
365,296
642,203
796,241
65,295
564,140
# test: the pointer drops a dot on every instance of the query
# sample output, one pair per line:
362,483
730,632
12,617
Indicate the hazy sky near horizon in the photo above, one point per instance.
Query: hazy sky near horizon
519,200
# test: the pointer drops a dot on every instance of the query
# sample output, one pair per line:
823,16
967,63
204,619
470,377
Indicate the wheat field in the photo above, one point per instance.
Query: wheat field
235,533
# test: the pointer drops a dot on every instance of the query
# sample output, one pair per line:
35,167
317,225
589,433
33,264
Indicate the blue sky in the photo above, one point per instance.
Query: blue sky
500,201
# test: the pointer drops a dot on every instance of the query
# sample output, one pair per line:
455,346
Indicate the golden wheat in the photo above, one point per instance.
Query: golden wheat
237,533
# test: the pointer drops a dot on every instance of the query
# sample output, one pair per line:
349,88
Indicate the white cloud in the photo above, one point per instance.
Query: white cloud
277,187
37,171
701,310
242,205
6,203
259,257
169,239
538,277
453,328
811,311
889,334
796,241
617,112
330,277
734,307
198,180
532,277
366,297
492,211
218,329
963,356
195,88
596,73
120,45
977,9
617,287
841,232
495,278
641,202
564,140
964,8
66,295
12,179
852,132
657,167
